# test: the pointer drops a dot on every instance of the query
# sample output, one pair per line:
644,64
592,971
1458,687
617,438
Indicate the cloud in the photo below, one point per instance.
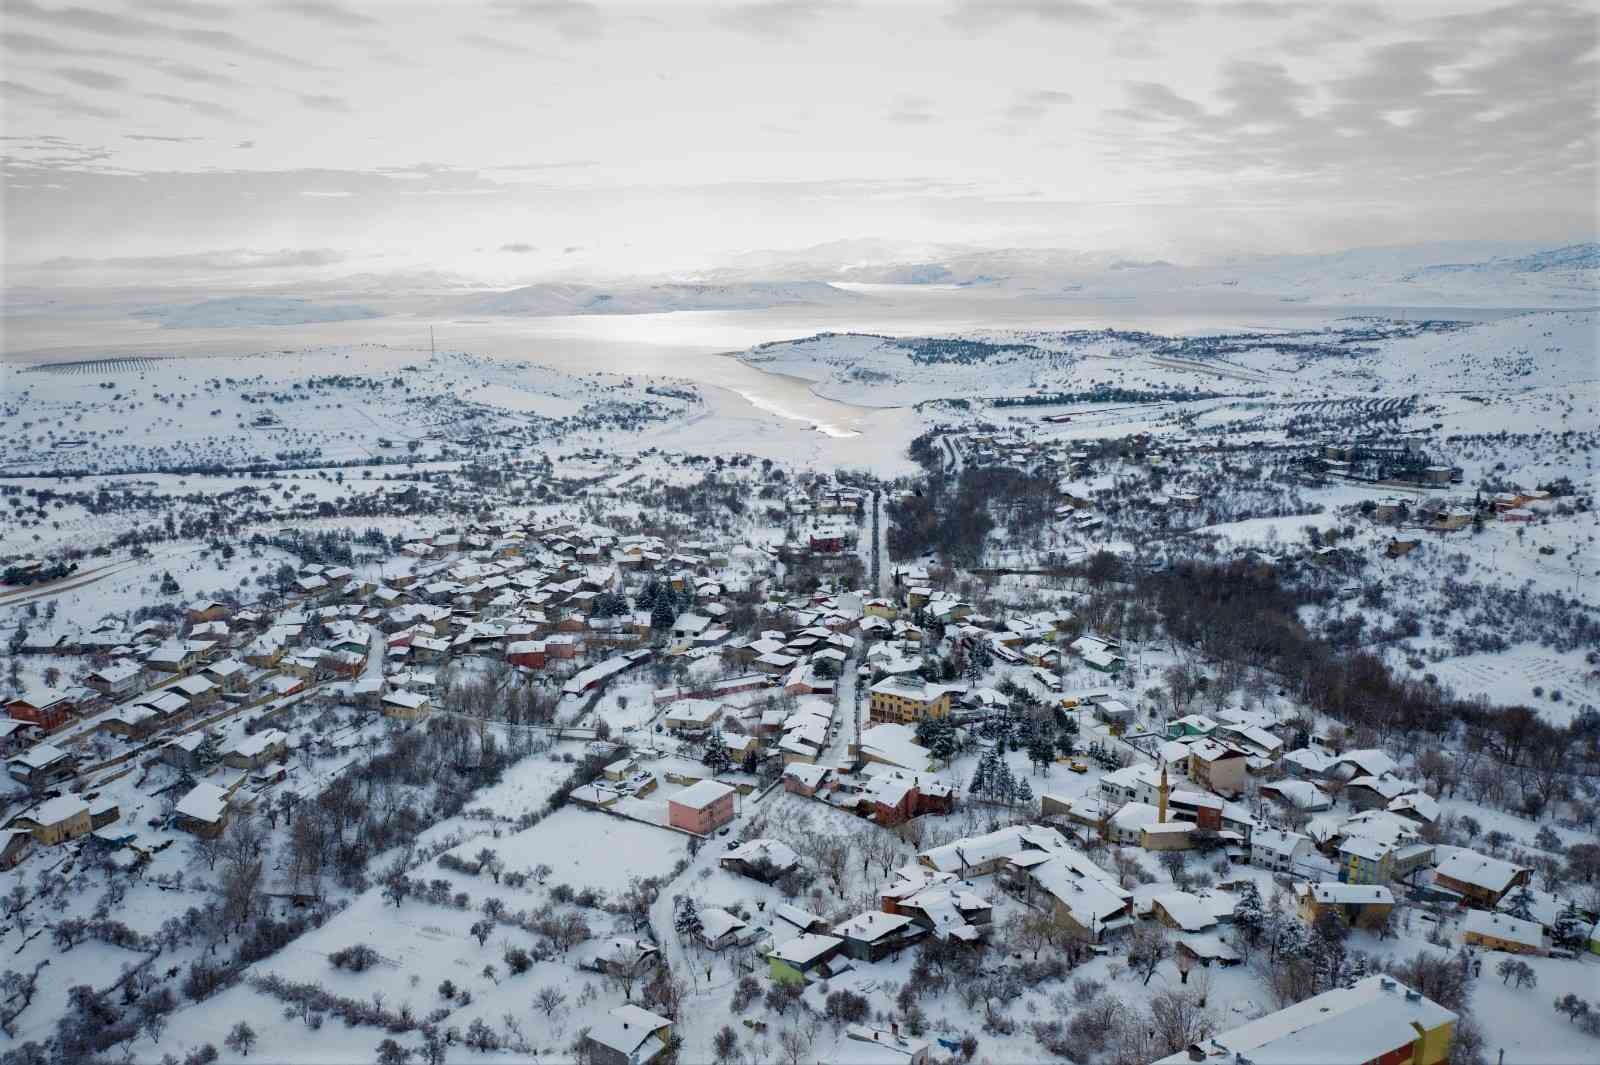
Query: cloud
91,79
323,102
982,15
86,20
329,13
222,259
158,137
492,44
20,95
1032,106
576,20
208,108
245,144
1151,101
571,248
913,111
518,248
223,41
190,8
779,19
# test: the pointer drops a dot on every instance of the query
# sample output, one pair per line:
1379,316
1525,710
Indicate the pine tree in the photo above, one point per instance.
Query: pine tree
687,920
1041,750
1249,915
662,615
1002,786
1519,903
1024,792
715,753
1570,929
980,776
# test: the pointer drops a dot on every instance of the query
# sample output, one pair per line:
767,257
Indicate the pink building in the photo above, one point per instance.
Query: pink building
701,808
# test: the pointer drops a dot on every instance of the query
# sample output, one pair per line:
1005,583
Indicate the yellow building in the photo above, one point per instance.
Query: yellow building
57,821
906,701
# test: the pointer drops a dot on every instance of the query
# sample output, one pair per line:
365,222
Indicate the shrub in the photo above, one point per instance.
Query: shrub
358,958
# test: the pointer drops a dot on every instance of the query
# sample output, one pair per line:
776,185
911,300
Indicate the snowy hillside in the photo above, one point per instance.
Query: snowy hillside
251,310
1461,274
1549,348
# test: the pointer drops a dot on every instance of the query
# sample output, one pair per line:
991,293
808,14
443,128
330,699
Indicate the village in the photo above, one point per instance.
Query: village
790,770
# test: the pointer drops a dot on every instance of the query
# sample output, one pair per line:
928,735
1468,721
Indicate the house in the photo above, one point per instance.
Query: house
907,700
804,779
229,674
56,820
628,1035
701,808
761,859
1481,880
1361,905
1503,932
203,811
1197,725
1217,766
1278,850
406,705
893,745
40,764
117,681
529,654
1182,911
1299,794
719,928
1376,1019
794,961
253,752
207,610
14,846
798,920
16,735
874,935
183,752
879,1047
1364,860
199,692
946,912
692,715
48,708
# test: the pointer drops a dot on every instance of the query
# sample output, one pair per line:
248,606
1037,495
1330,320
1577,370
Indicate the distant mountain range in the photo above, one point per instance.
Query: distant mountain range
561,299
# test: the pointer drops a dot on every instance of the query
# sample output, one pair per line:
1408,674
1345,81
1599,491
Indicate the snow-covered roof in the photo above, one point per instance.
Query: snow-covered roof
775,851
871,925
625,1029
54,811
204,802
1503,926
716,923
805,948
1479,870
1359,1023
1187,910
699,795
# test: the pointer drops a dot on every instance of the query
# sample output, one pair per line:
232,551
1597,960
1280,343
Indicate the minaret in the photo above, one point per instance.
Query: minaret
1161,809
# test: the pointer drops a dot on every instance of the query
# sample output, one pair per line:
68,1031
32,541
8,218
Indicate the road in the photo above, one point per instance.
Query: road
82,578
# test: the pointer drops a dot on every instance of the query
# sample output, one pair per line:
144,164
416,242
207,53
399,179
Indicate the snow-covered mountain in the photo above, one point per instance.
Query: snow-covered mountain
251,311
562,299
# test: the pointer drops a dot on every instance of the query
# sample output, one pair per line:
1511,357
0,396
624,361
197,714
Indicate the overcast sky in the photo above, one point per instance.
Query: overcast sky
538,137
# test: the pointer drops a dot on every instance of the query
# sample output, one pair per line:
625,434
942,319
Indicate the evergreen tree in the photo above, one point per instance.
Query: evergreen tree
1002,786
1570,930
1249,915
209,750
1024,792
980,777
1519,903
715,752
1041,750
687,921
662,615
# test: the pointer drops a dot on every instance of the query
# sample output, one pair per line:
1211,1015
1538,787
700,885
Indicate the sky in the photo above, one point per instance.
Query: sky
539,139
